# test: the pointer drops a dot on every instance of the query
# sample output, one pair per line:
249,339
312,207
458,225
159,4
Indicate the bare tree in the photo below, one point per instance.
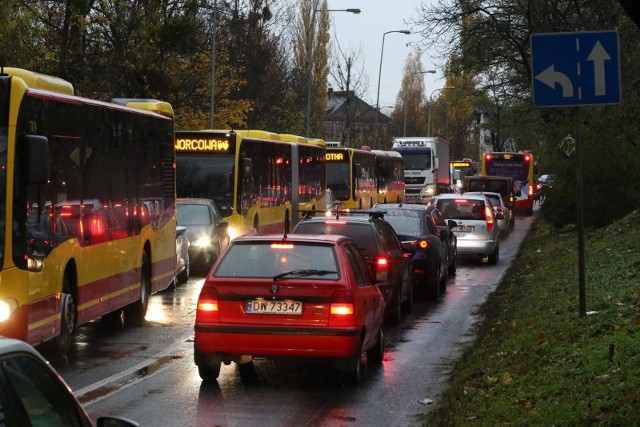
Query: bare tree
348,85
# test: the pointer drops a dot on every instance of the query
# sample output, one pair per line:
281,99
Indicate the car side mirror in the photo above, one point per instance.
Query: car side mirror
451,223
518,193
223,223
180,230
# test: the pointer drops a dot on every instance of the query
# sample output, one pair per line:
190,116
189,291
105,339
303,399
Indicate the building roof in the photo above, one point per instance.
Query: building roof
342,103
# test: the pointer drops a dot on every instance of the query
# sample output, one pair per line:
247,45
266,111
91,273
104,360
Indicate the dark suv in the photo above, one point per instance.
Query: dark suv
380,247
425,233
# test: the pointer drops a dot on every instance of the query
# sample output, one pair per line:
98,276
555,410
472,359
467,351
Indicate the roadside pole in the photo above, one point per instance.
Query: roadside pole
580,216
574,69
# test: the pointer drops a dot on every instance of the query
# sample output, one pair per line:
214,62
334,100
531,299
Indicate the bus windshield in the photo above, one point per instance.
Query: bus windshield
417,161
338,180
208,177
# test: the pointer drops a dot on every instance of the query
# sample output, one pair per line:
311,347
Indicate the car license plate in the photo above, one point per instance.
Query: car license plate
258,306
463,228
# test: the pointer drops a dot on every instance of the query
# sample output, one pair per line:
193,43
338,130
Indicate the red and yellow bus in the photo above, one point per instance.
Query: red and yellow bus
518,166
389,176
351,177
259,180
88,207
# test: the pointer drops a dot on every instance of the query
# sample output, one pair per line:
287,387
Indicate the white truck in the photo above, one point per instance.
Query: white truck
426,167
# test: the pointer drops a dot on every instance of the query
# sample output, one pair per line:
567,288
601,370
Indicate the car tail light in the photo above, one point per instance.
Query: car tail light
488,213
207,310
382,269
530,190
342,304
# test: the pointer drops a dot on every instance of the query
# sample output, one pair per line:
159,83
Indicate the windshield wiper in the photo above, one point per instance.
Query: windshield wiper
302,273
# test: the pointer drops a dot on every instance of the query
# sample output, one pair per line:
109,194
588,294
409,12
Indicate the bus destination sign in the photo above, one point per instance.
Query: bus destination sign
203,142
335,156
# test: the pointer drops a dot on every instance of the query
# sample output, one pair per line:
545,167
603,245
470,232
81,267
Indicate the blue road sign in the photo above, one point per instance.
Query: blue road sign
580,68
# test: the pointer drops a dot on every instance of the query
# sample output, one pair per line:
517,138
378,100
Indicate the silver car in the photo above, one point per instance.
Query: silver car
476,226
503,213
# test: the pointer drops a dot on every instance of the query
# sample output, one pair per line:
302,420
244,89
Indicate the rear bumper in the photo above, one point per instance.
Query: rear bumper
476,247
223,342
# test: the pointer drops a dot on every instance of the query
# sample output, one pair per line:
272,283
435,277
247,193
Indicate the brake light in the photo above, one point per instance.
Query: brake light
207,309
97,227
342,304
382,263
488,213
335,222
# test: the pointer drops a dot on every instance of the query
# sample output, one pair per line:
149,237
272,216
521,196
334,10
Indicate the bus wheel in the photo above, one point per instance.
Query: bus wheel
62,342
134,313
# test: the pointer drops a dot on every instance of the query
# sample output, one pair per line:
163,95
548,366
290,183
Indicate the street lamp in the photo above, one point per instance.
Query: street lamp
431,96
405,99
310,58
380,74
214,20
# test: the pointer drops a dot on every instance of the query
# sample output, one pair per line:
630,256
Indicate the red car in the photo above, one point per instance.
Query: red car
306,297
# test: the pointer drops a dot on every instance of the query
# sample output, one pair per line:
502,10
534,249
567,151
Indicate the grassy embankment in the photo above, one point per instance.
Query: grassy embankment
536,362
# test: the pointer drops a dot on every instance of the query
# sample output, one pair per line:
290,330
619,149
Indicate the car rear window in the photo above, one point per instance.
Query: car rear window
462,208
270,259
495,200
405,224
361,233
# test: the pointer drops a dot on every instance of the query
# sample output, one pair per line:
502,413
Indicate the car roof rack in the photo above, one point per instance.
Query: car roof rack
373,214
310,213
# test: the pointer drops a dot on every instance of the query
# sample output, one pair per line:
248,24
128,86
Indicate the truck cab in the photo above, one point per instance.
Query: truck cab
426,167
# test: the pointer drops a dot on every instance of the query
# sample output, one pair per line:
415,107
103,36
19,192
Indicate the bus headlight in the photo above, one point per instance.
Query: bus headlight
233,232
7,307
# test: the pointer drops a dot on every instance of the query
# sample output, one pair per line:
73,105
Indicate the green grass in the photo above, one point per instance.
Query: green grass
535,361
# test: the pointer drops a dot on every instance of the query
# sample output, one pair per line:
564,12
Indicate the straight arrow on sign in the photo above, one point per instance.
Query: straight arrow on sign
598,56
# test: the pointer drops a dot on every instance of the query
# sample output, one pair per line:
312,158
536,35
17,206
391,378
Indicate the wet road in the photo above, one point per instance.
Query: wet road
147,374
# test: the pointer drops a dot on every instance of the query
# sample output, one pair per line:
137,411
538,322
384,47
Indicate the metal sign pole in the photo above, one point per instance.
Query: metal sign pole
580,215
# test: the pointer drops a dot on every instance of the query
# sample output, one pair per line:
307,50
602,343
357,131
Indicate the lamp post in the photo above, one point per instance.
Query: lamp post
380,74
404,133
214,21
431,96
310,57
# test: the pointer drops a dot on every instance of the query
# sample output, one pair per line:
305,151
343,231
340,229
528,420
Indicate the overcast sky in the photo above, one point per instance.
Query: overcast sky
365,31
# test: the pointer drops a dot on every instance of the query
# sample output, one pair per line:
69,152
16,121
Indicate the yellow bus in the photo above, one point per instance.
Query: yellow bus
389,176
351,177
88,207
259,180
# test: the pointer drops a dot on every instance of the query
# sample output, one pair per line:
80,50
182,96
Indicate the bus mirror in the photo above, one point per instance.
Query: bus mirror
358,170
37,159
436,164
247,170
